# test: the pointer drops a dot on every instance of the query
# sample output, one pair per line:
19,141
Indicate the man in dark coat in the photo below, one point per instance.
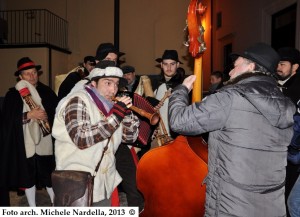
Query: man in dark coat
4,191
171,76
127,154
132,79
288,73
289,83
27,158
75,76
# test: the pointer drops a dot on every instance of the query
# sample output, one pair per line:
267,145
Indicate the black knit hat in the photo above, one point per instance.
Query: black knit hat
127,69
26,63
261,54
104,49
289,54
169,54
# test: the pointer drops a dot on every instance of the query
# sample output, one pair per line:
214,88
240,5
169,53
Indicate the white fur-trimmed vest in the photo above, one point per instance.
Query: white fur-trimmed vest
34,141
69,157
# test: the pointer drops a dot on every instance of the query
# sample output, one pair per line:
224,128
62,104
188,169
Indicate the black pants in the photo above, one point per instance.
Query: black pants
126,167
291,177
4,196
40,169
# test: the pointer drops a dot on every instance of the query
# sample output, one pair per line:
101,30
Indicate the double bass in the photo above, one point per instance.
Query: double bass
171,177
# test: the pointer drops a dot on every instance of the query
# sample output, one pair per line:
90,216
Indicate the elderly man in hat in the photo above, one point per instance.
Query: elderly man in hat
131,77
87,121
250,123
27,153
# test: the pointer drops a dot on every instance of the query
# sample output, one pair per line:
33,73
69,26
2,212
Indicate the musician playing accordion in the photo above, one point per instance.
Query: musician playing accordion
128,154
27,158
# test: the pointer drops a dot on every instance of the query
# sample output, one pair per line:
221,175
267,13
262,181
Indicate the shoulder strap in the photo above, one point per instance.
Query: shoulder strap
98,165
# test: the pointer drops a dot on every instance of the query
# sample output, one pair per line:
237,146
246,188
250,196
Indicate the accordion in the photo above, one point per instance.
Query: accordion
145,128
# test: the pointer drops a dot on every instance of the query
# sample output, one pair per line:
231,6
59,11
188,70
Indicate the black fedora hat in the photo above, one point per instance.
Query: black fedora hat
169,54
26,63
289,54
261,54
104,49
127,69
102,64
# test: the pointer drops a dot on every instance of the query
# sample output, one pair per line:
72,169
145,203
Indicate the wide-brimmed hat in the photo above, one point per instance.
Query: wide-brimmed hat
127,69
108,72
26,63
90,59
261,54
169,54
104,49
105,63
289,54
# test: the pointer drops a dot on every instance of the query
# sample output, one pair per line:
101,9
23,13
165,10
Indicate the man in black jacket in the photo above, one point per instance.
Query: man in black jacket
132,79
75,76
289,83
27,158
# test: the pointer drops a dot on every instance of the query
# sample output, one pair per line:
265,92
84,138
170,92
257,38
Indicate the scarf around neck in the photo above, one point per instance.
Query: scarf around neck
103,104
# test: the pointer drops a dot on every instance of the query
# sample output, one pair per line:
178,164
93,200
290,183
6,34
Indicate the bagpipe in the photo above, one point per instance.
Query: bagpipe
44,124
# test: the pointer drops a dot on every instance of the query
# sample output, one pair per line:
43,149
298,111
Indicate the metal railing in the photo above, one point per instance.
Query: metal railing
33,27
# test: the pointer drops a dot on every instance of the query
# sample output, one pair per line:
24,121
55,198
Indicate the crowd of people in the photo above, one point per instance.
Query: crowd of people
253,121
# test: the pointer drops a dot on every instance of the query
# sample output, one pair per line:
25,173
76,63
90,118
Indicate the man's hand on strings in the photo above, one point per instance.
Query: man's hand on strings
189,81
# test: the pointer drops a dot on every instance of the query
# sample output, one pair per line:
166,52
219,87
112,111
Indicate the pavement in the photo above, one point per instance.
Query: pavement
43,200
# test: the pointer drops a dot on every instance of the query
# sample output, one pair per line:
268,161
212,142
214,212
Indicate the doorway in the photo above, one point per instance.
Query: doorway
284,27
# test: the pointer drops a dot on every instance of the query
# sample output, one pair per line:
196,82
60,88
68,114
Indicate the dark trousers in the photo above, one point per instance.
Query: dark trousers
291,177
126,167
4,197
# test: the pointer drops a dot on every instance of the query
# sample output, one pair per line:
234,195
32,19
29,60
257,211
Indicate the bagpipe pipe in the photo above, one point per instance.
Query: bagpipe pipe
146,111
43,124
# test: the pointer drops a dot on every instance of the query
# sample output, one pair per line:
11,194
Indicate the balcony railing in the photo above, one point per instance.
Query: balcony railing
33,27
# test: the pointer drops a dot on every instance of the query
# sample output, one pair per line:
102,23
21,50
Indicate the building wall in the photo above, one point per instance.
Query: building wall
244,23
147,28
